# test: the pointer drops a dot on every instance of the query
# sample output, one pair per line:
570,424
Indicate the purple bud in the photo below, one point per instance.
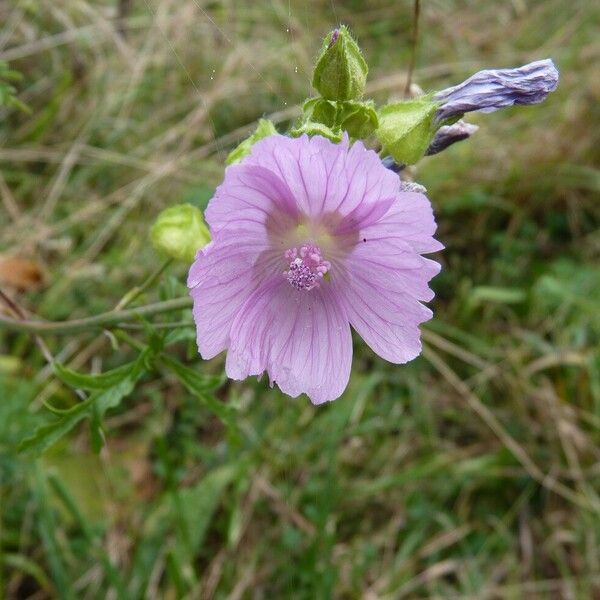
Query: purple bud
489,90
391,164
335,34
450,134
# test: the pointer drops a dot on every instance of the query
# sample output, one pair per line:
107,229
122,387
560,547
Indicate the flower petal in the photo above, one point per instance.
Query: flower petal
301,338
324,177
409,219
385,279
224,273
251,197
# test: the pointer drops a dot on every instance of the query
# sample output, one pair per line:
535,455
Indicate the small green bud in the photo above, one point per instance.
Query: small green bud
341,71
311,128
179,232
264,129
407,128
359,119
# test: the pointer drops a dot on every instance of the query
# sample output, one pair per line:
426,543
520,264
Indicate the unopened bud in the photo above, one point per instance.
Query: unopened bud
341,71
489,90
450,134
179,232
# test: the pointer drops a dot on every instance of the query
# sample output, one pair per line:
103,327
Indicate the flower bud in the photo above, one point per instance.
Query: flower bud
179,232
341,71
489,90
450,134
264,129
407,128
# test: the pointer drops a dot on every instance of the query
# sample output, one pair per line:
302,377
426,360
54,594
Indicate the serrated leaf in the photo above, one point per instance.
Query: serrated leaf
47,435
200,386
92,383
100,401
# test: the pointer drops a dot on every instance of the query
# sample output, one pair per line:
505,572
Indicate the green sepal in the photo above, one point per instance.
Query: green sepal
264,129
311,128
407,128
341,71
359,119
319,110
179,232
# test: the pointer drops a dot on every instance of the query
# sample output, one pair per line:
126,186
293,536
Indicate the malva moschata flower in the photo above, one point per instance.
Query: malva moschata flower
309,238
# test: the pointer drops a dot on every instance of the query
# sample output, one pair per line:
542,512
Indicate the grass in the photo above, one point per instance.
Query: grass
470,473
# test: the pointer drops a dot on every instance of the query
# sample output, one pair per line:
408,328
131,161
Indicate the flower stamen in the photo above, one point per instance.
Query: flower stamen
306,267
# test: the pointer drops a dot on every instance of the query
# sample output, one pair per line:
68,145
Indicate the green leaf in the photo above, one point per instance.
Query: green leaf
264,129
498,295
407,128
200,386
194,508
47,435
100,401
101,381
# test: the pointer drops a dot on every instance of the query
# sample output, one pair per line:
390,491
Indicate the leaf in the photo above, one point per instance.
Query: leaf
499,295
195,381
101,381
47,435
194,507
21,273
200,385
100,401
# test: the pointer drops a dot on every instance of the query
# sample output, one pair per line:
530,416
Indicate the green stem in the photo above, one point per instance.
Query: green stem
133,293
112,317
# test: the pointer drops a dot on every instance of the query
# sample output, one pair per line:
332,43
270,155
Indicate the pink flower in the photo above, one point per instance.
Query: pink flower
310,237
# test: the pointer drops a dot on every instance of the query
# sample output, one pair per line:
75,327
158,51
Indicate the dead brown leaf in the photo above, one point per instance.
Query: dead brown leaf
21,273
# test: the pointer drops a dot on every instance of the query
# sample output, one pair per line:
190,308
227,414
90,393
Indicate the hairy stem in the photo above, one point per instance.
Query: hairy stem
113,317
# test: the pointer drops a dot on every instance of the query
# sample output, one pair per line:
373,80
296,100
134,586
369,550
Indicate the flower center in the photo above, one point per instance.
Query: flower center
307,267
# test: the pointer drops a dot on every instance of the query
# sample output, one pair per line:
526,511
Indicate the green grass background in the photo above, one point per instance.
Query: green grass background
472,472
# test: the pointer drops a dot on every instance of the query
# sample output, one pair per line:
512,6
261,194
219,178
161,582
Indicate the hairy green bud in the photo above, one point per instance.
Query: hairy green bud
264,129
179,232
341,71
407,128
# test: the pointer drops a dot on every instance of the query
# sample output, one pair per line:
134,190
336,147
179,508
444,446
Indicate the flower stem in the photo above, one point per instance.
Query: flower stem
112,317
133,293
414,41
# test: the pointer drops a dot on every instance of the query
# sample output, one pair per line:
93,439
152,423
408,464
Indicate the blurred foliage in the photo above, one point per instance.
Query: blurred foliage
471,472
